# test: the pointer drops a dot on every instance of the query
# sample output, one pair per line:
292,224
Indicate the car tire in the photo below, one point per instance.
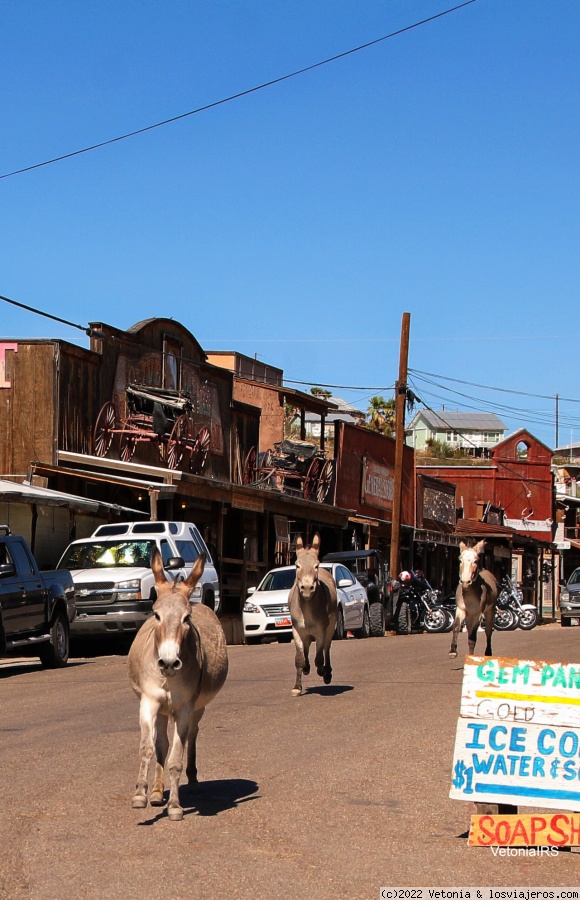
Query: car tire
365,630
340,632
54,653
403,618
253,640
565,622
377,619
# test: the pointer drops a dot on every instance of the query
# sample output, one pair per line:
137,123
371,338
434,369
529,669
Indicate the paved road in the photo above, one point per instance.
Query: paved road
333,794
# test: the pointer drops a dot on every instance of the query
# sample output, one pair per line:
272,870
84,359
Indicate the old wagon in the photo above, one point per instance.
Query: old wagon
294,467
154,416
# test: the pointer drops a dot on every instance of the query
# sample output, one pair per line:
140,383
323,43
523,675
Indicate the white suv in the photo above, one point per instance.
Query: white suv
114,584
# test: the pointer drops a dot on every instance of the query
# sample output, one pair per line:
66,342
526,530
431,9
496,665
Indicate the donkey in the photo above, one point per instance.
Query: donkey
177,663
476,596
313,609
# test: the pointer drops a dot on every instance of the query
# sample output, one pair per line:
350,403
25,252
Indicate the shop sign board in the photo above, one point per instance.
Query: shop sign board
518,733
377,484
254,504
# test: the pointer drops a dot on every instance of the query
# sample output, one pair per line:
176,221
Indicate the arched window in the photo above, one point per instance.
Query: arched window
522,450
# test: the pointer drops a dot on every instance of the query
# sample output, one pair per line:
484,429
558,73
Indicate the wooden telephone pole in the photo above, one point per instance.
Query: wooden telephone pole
400,398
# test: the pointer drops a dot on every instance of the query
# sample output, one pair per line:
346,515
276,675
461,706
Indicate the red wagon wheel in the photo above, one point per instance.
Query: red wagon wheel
249,470
104,430
200,451
177,444
128,445
311,480
324,480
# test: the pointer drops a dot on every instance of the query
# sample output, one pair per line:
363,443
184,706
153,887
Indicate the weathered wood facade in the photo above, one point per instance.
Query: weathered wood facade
51,394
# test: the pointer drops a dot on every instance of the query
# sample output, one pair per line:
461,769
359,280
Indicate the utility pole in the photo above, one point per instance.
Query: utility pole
556,444
400,399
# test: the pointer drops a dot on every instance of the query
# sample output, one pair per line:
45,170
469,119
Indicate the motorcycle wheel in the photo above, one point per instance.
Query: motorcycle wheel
528,619
404,618
505,620
436,621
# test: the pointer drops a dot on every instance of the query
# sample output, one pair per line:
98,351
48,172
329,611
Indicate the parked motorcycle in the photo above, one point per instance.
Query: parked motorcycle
419,606
510,598
506,618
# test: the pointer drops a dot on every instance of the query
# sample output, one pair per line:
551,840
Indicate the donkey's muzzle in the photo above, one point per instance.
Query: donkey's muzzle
169,667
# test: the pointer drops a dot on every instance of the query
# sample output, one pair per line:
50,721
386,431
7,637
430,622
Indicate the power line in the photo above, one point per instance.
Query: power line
339,387
489,387
237,96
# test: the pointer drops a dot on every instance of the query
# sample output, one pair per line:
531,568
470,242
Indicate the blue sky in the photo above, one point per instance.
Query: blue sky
434,173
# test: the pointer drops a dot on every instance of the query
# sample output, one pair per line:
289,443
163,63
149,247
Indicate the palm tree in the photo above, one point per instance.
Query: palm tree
381,415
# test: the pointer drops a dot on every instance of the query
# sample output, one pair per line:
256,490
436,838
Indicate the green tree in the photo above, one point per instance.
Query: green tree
381,415
321,393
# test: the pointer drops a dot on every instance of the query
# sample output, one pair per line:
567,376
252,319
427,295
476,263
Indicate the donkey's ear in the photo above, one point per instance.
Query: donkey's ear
479,547
316,542
299,544
196,572
157,567
462,546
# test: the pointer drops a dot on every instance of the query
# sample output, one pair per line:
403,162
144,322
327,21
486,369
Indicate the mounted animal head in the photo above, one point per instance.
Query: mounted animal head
307,567
469,563
172,613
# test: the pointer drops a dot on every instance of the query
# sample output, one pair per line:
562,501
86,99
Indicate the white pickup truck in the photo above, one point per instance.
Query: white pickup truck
111,571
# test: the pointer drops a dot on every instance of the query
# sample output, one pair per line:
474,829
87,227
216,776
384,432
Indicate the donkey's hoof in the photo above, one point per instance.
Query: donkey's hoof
139,801
175,814
327,678
453,654
156,798
306,670
296,692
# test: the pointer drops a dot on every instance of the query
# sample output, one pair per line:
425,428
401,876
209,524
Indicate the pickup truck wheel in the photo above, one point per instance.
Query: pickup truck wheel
54,653
377,617
403,618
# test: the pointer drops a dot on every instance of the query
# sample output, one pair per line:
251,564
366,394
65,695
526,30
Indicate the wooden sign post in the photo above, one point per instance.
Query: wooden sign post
518,740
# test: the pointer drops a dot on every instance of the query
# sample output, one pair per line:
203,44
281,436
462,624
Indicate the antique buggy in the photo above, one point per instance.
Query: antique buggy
154,416
294,467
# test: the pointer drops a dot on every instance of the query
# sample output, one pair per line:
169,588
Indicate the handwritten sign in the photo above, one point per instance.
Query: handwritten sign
556,830
518,734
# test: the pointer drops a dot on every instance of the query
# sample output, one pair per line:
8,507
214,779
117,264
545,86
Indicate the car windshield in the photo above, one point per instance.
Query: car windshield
108,553
574,577
278,580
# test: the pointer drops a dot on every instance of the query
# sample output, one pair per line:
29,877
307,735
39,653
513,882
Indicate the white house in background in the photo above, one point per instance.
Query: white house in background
345,413
470,431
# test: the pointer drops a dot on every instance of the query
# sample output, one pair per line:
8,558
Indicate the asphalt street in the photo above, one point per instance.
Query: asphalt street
330,795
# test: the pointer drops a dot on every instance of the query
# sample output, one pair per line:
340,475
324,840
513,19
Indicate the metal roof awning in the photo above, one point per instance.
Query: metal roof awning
163,490
23,492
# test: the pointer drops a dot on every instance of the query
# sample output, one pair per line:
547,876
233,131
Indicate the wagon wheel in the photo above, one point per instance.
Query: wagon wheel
324,480
104,430
177,444
266,461
249,470
128,445
311,480
200,451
